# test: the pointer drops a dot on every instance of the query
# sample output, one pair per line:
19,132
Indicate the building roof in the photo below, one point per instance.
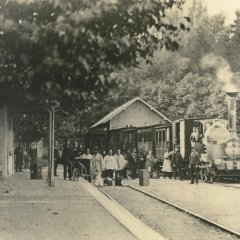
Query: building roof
118,110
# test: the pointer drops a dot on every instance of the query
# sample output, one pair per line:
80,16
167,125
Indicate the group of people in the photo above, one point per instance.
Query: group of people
110,165
173,164
65,154
103,164
139,160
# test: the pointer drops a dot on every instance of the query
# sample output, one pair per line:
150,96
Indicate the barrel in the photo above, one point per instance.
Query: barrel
143,177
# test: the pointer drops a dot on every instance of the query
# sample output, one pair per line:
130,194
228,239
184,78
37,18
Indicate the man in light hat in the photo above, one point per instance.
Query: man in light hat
110,164
120,164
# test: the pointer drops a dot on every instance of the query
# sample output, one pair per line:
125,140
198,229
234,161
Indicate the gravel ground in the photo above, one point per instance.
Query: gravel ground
218,202
171,223
32,210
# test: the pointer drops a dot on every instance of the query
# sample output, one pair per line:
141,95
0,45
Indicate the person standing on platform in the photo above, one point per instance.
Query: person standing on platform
81,150
110,164
26,159
120,164
66,158
18,154
167,165
33,152
87,155
142,160
56,157
97,161
194,165
149,162
177,163
76,150
133,162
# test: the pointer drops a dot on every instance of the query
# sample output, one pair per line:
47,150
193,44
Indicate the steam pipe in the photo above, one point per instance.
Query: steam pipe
232,112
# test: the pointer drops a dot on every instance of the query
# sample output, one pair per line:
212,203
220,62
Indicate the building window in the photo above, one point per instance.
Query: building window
163,136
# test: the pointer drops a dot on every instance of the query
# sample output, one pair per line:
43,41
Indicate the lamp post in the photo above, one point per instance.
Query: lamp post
51,148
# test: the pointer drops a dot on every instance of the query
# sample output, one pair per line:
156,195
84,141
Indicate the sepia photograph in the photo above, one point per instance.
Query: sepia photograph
119,119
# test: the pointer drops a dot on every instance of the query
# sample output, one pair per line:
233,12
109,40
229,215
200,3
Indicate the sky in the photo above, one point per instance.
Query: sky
227,7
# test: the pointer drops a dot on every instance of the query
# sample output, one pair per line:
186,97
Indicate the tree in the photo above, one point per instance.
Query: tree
57,52
207,34
29,127
234,49
199,96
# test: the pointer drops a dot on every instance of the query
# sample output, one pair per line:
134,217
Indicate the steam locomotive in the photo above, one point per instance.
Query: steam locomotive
223,146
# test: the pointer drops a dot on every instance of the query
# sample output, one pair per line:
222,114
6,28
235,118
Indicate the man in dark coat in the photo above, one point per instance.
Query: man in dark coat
177,163
194,165
66,158
133,163
18,153
76,150
56,157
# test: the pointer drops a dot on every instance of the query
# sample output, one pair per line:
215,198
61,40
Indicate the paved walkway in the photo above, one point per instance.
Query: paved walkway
218,202
32,210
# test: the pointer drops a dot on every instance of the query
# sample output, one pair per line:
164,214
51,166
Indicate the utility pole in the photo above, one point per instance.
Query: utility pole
51,148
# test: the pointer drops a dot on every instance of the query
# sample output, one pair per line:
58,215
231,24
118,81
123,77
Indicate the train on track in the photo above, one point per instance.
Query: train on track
215,139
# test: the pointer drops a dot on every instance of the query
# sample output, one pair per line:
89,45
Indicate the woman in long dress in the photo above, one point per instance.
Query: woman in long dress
167,165
97,161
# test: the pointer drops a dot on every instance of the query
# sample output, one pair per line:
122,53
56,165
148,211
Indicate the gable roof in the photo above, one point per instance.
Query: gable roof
118,110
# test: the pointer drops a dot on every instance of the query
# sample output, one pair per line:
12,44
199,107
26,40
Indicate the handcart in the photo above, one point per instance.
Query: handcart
82,167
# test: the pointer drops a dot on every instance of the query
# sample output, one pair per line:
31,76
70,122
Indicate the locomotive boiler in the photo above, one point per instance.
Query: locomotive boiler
223,145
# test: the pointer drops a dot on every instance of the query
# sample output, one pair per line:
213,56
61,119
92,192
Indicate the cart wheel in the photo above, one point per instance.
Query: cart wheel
210,178
76,174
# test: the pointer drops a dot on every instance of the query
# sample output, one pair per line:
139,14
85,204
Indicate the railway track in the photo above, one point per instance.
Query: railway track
159,214
206,220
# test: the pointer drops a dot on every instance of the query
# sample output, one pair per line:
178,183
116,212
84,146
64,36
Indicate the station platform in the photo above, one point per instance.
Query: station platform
32,210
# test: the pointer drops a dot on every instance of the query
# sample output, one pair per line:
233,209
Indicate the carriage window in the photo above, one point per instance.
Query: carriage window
157,136
150,136
130,137
145,137
125,137
111,139
118,138
160,136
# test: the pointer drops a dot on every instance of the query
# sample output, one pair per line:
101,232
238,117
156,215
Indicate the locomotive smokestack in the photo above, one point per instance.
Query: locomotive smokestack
232,112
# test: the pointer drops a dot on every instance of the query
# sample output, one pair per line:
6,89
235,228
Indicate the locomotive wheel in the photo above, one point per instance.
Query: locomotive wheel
76,174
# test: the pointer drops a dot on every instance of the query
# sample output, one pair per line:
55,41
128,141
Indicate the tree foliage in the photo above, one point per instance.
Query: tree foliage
175,83
61,52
